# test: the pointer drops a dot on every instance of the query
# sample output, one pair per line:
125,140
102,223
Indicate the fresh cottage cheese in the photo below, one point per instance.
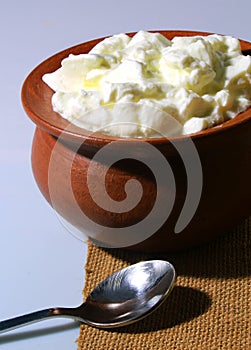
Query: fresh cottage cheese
148,86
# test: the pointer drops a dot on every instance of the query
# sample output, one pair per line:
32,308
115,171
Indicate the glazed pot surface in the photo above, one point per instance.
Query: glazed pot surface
216,211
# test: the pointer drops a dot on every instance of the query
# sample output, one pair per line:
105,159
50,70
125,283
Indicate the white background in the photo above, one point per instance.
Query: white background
41,264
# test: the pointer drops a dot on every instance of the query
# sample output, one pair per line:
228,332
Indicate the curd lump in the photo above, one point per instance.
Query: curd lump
149,86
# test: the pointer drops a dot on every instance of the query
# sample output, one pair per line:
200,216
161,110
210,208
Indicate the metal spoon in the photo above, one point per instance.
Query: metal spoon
125,297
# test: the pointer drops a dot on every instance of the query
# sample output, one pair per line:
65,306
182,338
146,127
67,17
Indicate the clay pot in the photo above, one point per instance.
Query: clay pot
206,193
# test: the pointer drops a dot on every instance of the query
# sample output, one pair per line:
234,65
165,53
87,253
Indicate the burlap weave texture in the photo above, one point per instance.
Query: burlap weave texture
209,308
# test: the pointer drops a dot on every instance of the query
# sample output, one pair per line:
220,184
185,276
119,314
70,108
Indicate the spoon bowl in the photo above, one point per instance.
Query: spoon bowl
124,297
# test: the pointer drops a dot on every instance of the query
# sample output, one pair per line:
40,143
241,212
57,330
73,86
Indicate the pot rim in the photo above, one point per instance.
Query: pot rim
36,100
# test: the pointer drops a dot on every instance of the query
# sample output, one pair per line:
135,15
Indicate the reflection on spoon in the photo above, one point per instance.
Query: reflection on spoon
125,297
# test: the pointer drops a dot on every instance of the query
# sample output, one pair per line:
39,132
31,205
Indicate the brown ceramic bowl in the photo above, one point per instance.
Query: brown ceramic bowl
62,153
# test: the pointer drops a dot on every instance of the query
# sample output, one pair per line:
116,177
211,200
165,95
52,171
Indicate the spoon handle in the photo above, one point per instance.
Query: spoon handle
16,322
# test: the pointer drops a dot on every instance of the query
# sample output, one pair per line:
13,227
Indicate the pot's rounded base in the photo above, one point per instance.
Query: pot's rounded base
61,174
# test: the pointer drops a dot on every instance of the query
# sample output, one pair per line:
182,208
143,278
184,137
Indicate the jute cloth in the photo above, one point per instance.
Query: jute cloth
209,308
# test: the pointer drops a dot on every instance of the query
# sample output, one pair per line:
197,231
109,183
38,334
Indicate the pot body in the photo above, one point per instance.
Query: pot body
64,173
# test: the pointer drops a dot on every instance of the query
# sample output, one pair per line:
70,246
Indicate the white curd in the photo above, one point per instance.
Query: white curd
148,86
